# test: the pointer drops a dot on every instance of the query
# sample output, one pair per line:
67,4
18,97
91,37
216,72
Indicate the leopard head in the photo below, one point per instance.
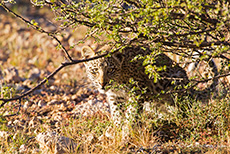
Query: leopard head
102,70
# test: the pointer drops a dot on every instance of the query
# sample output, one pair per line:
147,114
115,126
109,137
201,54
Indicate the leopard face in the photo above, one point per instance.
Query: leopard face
101,71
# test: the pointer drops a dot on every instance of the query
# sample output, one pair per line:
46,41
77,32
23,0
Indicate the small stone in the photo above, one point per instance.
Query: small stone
53,87
27,104
4,134
34,74
54,102
41,103
11,75
22,148
65,76
91,139
15,136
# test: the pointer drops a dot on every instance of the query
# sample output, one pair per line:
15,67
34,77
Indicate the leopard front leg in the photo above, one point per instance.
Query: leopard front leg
117,107
122,114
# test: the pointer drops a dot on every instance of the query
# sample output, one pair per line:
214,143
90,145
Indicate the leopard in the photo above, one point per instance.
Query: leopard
120,68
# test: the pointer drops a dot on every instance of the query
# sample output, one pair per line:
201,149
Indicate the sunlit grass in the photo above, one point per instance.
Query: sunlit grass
200,127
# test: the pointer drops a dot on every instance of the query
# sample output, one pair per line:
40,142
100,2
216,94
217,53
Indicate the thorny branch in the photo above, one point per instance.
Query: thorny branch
50,76
37,28
128,26
64,64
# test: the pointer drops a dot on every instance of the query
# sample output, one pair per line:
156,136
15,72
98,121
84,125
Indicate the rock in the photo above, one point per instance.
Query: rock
53,142
27,104
65,76
11,75
22,148
54,102
41,103
4,134
53,87
91,138
34,74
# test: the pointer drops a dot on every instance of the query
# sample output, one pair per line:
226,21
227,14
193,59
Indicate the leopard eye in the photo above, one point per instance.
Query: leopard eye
94,71
111,70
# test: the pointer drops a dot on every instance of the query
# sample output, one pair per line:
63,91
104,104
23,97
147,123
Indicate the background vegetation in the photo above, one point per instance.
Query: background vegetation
190,32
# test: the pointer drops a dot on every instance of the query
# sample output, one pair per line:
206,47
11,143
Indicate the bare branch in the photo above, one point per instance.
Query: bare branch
33,89
64,64
37,28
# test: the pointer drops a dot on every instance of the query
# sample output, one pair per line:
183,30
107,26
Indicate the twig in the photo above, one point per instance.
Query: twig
19,107
213,78
48,77
31,90
37,28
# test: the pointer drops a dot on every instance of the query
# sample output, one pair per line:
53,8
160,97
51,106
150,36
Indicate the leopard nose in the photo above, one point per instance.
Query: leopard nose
102,80
103,85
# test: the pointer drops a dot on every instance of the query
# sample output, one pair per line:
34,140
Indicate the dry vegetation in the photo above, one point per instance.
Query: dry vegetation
69,107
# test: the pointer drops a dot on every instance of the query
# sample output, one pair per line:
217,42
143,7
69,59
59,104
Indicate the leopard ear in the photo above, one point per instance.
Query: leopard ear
119,57
87,52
